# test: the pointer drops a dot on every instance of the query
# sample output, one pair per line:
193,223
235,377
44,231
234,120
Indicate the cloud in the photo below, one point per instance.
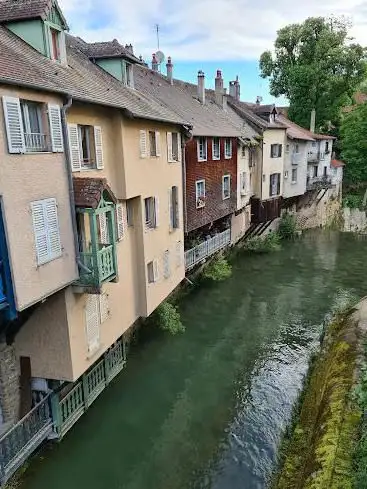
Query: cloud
202,29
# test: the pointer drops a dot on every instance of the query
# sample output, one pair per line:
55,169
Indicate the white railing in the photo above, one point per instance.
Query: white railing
296,158
35,141
207,248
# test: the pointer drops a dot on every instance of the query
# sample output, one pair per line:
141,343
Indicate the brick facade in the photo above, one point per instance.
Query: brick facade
212,172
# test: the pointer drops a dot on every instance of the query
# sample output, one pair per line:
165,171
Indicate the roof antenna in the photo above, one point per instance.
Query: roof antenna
157,29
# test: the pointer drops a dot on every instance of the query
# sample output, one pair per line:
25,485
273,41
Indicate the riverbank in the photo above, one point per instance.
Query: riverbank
327,448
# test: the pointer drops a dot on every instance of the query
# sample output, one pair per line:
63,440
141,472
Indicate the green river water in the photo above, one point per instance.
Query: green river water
206,409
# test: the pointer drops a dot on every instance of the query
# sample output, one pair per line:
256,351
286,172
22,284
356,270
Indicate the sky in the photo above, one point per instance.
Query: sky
206,34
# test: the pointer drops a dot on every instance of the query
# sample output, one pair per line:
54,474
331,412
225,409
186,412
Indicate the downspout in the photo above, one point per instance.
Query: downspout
184,182
65,135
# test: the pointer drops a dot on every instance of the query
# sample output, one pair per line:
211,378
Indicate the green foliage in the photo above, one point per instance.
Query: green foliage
287,226
167,317
263,244
218,269
354,144
353,201
314,67
361,449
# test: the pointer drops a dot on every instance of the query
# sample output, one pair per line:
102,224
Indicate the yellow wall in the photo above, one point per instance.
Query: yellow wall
25,178
272,165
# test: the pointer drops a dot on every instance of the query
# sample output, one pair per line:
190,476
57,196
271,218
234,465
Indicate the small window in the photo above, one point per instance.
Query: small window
294,175
200,194
216,148
296,148
129,213
327,147
34,134
151,212
226,187
152,271
55,44
228,148
315,170
243,151
87,150
325,171
174,208
274,184
314,144
275,150
202,149
286,174
153,143
243,183
175,148
287,148
264,177
46,230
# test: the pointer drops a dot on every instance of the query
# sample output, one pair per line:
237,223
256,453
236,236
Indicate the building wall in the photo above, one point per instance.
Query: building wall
243,166
323,161
212,172
291,189
240,222
272,165
32,32
64,344
25,178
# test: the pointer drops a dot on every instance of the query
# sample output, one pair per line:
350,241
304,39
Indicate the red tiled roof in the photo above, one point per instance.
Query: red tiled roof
88,191
25,9
337,163
295,131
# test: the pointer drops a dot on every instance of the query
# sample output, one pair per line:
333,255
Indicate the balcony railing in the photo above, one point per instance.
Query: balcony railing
316,183
99,267
313,156
296,158
35,142
207,248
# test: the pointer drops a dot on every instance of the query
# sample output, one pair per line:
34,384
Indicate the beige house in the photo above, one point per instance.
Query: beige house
92,174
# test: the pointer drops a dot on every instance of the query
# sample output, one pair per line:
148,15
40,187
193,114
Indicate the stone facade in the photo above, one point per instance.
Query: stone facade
9,384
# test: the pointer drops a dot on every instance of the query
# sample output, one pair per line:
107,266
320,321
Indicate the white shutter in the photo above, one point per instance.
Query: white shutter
40,232
155,270
92,322
143,144
104,309
158,143
169,147
62,47
179,254
170,210
103,228
54,118
74,147
53,231
179,146
13,124
166,264
156,211
120,220
98,147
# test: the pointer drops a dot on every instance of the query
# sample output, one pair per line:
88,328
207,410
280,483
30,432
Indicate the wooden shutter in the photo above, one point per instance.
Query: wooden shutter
157,143
156,211
176,208
169,147
179,150
13,125
280,150
62,47
120,221
170,209
40,232
166,264
98,147
54,118
104,308
74,147
143,144
278,183
92,322
155,270
53,232
179,254
103,228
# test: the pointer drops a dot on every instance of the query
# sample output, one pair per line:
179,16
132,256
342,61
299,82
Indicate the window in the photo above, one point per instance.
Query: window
202,149
127,74
325,171
274,184
130,213
151,212
287,148
86,147
315,170
296,148
327,147
166,264
243,151
34,135
174,208
228,148
173,146
152,271
294,175
153,143
216,148
275,150
243,183
226,187
200,194
55,44
264,177
46,230
313,144
286,174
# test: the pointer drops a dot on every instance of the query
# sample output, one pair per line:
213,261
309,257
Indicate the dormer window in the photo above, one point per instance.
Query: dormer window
127,74
55,44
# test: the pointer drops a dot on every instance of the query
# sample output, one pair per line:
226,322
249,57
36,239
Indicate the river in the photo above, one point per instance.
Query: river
206,409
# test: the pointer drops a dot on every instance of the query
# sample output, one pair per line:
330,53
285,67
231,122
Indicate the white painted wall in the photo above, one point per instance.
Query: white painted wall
272,165
298,161
243,166
323,162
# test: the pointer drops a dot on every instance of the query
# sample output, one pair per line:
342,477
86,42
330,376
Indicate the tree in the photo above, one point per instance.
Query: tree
314,65
354,144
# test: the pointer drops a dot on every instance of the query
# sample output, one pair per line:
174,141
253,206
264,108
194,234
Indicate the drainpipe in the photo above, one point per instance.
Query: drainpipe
64,110
183,157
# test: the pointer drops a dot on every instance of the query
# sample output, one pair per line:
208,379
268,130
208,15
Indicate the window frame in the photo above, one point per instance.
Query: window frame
153,209
214,141
271,184
278,153
228,155
91,162
202,195
202,140
294,171
152,139
224,179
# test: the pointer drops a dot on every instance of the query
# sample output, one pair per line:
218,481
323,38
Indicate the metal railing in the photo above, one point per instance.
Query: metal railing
17,444
313,156
35,141
314,183
207,248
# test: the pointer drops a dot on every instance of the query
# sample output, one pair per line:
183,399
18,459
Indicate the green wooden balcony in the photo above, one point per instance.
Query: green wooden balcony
99,266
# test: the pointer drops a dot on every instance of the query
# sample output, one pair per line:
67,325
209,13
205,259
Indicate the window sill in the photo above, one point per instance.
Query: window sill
226,198
37,152
200,206
202,160
49,260
216,159
293,183
227,157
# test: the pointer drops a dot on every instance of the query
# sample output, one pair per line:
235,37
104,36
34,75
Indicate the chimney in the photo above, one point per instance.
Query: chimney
234,89
219,89
169,67
201,86
129,47
313,120
258,100
154,63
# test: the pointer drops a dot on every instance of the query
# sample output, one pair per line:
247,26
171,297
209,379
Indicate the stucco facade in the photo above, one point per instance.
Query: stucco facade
272,165
65,353
319,158
26,178
295,167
